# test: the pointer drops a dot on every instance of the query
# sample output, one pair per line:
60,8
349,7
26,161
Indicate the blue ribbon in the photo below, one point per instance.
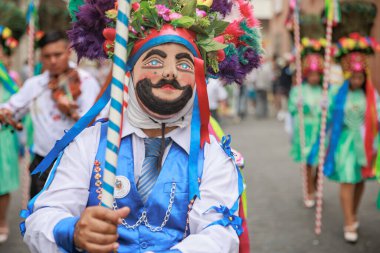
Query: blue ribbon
30,11
229,219
82,123
336,128
194,151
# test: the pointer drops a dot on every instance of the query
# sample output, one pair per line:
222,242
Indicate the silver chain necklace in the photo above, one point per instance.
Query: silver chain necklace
144,218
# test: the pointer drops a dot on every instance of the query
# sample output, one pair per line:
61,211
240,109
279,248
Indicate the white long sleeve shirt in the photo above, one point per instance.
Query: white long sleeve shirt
68,194
49,123
216,93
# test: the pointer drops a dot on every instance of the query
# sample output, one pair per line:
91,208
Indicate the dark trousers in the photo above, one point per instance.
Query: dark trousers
261,104
37,181
214,114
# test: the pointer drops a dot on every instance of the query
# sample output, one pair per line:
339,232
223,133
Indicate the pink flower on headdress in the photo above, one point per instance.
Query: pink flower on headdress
163,11
357,67
357,62
314,66
201,13
174,16
136,6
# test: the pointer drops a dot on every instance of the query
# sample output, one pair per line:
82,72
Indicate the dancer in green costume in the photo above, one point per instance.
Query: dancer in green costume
351,153
354,127
12,25
311,103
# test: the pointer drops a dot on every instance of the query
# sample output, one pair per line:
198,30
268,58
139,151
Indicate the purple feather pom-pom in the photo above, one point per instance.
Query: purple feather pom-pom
86,35
230,70
224,7
252,60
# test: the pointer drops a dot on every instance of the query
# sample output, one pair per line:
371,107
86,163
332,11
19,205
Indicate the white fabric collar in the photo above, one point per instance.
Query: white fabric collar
181,136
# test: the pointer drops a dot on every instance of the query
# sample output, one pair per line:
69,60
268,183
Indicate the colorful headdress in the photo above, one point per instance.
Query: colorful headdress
12,26
312,51
352,51
230,50
356,43
313,46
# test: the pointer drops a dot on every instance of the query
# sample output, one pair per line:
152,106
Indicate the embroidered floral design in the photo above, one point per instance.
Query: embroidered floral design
98,176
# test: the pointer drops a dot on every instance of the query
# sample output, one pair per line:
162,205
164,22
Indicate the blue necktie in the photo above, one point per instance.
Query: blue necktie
149,172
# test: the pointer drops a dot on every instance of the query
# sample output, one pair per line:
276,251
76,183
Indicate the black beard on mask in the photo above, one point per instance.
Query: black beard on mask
162,107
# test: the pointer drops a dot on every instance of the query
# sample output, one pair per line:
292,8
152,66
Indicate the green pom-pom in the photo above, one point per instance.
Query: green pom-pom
74,8
241,52
230,50
252,37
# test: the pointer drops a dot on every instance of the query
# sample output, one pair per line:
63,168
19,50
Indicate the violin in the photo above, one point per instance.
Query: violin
66,88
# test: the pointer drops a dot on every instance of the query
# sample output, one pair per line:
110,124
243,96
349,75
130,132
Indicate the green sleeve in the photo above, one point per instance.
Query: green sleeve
293,98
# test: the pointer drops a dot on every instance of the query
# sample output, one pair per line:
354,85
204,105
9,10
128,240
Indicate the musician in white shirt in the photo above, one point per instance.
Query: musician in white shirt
51,116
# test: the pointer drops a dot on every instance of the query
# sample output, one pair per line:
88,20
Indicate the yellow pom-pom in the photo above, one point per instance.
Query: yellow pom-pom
351,44
323,42
305,42
6,33
207,3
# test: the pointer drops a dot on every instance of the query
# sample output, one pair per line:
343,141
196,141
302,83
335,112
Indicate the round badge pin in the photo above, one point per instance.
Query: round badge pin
122,187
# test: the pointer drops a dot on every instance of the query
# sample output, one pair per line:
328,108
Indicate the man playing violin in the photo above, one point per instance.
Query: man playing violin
55,99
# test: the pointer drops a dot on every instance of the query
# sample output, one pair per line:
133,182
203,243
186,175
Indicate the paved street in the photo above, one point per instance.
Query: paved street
278,221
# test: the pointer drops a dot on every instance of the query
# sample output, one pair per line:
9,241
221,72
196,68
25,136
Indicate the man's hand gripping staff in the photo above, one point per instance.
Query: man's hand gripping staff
96,230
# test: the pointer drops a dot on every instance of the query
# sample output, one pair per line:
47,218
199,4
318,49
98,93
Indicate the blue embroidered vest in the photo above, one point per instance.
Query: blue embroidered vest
174,173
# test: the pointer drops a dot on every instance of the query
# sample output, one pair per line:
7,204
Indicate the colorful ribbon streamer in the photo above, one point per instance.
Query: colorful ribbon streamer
332,9
8,83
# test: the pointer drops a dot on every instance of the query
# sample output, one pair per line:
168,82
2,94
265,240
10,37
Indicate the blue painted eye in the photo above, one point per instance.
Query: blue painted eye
154,63
185,66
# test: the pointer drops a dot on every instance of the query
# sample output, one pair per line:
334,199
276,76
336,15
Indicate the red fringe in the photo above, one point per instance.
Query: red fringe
371,129
246,9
